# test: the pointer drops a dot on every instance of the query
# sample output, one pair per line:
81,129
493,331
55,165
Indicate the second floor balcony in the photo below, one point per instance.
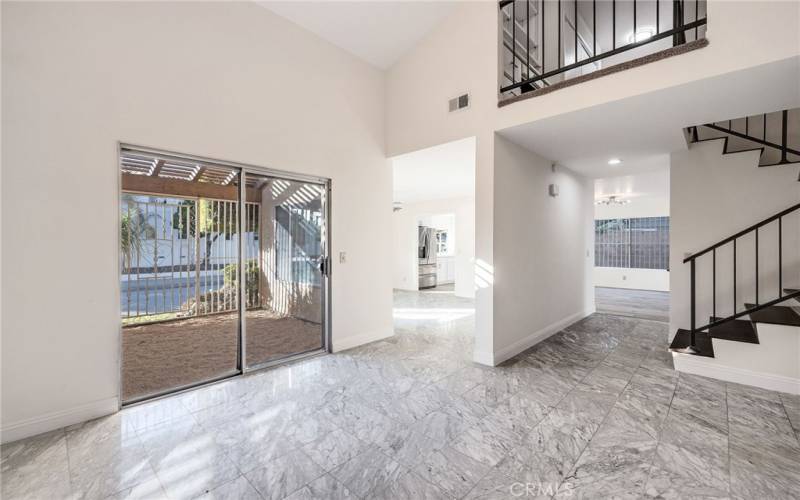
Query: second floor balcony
547,44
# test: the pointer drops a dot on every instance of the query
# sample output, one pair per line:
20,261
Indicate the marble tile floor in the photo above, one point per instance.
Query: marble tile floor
596,411
644,304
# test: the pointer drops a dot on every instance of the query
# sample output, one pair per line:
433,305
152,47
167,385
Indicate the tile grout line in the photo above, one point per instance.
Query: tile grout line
605,417
796,432
660,433
728,436
551,408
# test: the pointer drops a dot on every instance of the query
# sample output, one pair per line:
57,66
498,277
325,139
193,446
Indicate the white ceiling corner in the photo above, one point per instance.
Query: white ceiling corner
379,32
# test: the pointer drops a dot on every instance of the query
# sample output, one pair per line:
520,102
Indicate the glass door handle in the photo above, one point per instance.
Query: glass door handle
323,266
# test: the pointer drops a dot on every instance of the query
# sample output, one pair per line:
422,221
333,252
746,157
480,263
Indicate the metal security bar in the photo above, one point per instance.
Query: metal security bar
634,243
548,41
180,256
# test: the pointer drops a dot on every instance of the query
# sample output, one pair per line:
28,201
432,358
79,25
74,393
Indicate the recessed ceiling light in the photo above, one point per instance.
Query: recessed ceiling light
614,161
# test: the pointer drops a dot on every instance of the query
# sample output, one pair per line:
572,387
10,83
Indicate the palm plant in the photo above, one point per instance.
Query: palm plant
134,231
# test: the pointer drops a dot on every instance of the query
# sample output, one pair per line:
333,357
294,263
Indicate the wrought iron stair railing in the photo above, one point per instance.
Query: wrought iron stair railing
543,40
767,131
783,294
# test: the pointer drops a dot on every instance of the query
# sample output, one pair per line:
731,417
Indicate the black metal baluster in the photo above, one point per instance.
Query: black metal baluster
544,54
696,4
514,42
756,266
714,283
531,75
780,257
528,38
613,24
677,23
784,133
594,27
560,20
575,22
734,276
764,132
692,344
746,125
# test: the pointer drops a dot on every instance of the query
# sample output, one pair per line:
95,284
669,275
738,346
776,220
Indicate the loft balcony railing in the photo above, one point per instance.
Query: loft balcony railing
546,42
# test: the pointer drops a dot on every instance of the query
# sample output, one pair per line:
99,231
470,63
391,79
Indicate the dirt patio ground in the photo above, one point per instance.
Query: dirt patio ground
161,356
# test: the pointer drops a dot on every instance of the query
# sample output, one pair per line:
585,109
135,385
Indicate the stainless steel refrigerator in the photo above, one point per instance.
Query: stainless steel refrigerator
427,257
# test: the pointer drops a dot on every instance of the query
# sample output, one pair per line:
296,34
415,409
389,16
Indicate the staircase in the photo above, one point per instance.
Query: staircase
776,135
753,313
742,325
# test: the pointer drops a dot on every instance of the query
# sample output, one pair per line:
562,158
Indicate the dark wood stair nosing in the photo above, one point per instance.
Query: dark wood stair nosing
738,330
775,315
682,339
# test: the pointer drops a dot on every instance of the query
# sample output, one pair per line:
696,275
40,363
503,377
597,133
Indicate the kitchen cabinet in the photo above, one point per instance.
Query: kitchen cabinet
445,269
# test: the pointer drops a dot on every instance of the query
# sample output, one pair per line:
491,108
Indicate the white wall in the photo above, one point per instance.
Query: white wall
543,249
405,241
222,80
714,196
462,55
634,279
405,223
743,34
648,194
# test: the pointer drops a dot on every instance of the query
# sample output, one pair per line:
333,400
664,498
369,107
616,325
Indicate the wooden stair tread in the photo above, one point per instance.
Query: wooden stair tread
775,315
683,338
737,330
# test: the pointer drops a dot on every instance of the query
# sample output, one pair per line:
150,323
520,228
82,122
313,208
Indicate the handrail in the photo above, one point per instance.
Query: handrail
692,348
750,138
568,33
758,307
743,232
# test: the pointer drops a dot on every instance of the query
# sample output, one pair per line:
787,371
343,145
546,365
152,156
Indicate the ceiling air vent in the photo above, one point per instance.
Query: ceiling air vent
460,102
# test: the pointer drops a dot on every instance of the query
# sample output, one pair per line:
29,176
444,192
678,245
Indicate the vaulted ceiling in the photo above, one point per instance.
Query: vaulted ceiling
379,32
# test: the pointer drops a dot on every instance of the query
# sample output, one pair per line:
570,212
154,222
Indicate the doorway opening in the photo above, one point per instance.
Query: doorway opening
434,247
631,243
200,242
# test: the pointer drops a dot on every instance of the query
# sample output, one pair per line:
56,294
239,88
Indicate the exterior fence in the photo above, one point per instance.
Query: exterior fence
180,257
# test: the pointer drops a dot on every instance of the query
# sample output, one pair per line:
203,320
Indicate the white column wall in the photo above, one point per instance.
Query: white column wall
543,249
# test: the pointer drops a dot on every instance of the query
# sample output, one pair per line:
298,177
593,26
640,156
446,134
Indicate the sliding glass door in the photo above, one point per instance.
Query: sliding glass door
198,247
285,285
179,247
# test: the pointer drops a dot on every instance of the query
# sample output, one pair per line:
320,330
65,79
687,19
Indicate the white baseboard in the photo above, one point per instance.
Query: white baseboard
58,419
707,368
538,336
483,358
357,340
